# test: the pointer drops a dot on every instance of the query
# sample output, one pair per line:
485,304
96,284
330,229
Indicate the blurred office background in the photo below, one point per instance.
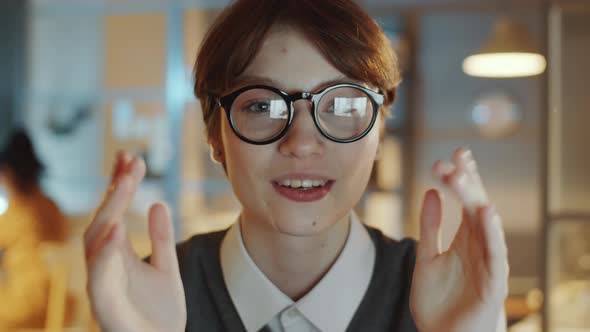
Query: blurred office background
88,78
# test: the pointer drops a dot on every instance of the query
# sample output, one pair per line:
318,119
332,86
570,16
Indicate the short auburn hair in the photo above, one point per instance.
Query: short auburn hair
342,31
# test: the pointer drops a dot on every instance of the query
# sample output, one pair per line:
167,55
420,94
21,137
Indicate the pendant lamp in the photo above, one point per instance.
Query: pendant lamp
509,52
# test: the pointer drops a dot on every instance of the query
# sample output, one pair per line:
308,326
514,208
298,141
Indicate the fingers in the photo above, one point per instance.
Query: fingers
430,220
495,244
100,227
108,247
164,256
122,162
462,178
495,252
115,203
106,261
480,238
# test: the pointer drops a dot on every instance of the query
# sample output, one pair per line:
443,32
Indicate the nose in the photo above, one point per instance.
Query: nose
303,139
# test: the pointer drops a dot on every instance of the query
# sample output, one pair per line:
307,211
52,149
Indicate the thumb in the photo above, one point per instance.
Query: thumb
430,221
162,237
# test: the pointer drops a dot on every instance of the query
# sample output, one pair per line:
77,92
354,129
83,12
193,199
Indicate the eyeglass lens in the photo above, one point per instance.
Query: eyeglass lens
261,114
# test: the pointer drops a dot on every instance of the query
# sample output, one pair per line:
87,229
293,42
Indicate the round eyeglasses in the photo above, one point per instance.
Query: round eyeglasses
260,114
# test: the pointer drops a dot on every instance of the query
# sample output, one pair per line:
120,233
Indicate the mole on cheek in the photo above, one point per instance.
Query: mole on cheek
314,223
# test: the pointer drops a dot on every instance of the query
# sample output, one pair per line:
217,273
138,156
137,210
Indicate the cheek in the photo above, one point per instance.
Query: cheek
363,152
232,145
242,160
234,153
360,158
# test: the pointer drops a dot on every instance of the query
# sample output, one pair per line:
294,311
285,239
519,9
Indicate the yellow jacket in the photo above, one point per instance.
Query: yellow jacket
24,277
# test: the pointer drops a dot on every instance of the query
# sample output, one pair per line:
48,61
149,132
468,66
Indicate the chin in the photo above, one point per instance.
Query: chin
298,230
303,226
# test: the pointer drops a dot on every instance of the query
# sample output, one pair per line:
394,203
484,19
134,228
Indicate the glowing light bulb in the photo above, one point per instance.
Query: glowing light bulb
508,52
509,64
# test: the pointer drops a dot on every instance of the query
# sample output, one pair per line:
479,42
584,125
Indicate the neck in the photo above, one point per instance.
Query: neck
295,264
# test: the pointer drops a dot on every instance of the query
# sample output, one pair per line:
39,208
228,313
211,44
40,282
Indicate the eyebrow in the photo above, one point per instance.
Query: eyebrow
253,79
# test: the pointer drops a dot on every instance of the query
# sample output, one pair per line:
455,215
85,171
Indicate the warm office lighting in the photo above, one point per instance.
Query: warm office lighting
508,53
3,201
504,65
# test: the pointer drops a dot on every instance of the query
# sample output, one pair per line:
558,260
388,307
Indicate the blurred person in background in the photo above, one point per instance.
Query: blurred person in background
31,220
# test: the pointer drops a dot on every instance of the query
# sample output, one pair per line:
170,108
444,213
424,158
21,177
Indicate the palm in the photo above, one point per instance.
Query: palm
463,288
454,283
126,293
129,293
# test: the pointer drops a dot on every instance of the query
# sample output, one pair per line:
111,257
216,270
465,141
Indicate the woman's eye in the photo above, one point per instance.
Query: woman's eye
330,109
258,107
340,111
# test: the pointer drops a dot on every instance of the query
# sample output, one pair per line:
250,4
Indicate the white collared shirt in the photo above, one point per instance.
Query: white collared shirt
329,306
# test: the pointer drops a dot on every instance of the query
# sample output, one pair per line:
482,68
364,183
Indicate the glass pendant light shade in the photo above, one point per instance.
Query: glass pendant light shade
508,53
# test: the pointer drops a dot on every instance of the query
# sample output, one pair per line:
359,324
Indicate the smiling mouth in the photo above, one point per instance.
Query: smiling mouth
303,190
306,184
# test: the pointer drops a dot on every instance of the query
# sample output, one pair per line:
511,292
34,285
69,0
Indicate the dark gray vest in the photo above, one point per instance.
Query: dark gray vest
385,306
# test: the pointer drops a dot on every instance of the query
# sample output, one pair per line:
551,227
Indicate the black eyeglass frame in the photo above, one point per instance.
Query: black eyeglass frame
227,101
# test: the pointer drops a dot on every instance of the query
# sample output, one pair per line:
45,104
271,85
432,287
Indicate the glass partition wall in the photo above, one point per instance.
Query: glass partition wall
567,252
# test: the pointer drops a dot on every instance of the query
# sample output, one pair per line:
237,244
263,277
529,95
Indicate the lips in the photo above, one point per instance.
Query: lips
302,187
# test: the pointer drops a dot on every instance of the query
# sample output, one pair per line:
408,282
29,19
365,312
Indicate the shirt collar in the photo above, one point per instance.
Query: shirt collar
327,306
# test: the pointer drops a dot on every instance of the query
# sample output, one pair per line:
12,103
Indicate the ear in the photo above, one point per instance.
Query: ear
378,153
217,154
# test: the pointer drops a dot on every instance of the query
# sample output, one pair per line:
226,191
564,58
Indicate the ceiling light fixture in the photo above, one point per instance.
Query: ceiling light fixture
509,52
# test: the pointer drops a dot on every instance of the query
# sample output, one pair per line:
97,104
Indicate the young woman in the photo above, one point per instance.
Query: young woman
294,97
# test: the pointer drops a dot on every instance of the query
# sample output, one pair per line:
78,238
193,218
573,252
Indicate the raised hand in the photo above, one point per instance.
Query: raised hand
463,288
126,293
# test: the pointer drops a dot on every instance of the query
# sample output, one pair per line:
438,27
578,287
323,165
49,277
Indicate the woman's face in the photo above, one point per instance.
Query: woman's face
289,62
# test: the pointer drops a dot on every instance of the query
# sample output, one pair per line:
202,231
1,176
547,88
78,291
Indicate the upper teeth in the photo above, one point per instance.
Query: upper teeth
302,183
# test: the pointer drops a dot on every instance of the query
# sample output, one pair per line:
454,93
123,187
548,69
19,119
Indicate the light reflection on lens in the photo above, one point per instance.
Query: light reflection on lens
345,113
344,106
259,114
